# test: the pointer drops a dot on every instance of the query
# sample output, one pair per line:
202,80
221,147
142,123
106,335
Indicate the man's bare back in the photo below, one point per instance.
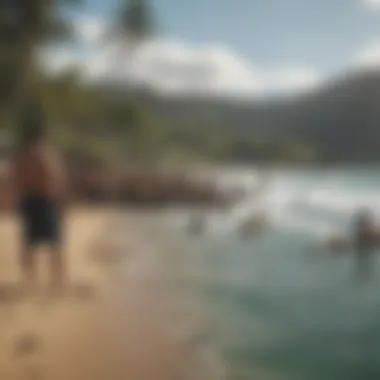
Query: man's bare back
40,189
38,170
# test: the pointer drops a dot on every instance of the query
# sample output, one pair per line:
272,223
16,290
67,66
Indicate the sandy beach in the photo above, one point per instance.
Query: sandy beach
115,319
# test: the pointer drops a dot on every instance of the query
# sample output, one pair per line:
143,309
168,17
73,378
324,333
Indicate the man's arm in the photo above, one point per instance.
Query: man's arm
14,176
60,178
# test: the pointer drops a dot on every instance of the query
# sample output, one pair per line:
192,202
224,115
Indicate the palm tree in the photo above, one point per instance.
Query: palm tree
136,21
133,26
24,27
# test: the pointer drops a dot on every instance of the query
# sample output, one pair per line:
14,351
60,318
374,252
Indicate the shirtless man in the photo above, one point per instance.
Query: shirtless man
39,181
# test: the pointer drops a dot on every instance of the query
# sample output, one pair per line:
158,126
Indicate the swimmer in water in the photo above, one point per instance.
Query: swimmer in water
255,224
336,245
365,243
196,225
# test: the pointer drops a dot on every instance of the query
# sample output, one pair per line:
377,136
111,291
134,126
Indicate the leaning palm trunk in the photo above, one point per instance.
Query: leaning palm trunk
27,28
40,23
135,26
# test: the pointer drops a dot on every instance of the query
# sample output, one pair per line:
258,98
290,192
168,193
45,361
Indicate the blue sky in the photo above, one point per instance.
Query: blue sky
323,33
326,36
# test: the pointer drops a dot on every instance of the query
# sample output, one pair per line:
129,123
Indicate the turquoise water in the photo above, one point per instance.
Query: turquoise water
280,309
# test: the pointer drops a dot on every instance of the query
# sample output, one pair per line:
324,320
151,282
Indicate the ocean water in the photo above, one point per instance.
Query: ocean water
279,307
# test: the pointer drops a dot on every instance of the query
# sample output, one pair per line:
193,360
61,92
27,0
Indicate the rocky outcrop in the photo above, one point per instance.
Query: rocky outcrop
99,185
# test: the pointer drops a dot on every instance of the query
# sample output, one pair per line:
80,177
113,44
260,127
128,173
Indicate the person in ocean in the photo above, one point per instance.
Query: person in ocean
365,242
39,185
197,224
253,225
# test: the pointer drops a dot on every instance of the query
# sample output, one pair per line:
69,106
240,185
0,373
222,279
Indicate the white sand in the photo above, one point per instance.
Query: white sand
113,323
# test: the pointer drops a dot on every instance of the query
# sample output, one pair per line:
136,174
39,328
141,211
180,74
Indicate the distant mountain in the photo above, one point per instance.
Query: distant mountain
342,118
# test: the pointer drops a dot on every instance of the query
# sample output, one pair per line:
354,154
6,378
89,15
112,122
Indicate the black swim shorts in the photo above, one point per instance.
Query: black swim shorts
41,220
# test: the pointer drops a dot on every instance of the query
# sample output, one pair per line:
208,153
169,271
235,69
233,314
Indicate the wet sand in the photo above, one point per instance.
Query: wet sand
115,320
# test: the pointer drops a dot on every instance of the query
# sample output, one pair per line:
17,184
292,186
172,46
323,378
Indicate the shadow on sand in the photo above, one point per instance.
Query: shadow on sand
82,291
10,293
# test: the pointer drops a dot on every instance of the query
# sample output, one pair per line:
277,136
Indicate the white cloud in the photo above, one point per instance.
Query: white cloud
56,60
292,78
176,67
89,30
372,4
171,67
369,57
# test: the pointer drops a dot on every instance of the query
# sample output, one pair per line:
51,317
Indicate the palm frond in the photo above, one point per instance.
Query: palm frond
136,19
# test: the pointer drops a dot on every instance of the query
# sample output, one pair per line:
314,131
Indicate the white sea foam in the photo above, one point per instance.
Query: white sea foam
292,202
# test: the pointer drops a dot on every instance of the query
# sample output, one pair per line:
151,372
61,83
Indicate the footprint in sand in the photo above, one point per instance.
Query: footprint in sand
105,256
34,373
9,293
97,254
27,345
83,291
